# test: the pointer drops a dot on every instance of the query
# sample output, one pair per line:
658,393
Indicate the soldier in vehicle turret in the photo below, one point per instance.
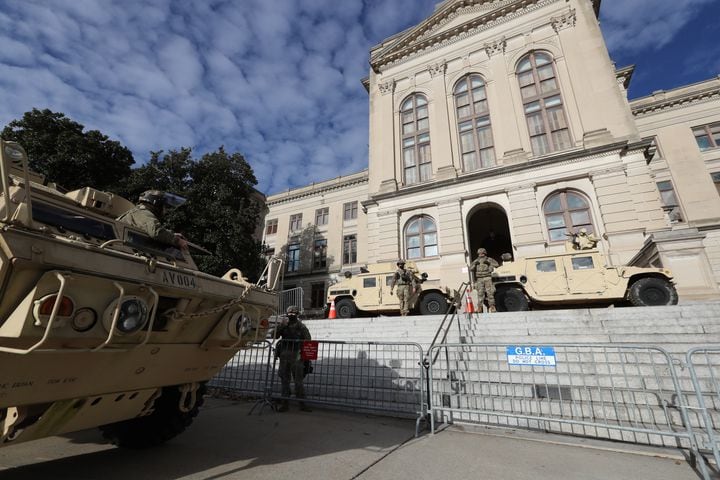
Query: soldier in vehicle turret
583,240
148,214
288,350
481,270
405,281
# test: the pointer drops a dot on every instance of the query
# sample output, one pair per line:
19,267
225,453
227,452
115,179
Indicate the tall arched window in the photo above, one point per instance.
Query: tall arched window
417,165
566,213
543,104
421,238
473,117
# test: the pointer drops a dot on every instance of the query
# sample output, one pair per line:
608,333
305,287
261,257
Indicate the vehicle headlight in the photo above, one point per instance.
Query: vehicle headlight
132,317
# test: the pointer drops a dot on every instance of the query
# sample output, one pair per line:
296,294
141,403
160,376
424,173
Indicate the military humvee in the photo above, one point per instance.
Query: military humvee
578,277
102,326
370,292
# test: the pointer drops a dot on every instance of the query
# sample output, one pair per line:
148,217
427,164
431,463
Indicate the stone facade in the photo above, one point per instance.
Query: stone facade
509,117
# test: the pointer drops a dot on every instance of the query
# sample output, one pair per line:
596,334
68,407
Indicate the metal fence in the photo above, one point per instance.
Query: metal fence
630,393
704,366
292,296
627,393
360,376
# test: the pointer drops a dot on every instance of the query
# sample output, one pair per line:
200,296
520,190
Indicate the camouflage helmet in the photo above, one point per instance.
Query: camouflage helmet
481,251
293,310
157,198
401,261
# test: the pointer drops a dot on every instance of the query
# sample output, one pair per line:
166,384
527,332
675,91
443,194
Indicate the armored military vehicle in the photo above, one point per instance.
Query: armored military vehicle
578,277
102,326
369,292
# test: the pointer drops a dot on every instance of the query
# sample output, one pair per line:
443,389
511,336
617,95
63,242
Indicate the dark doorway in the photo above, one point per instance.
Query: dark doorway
488,228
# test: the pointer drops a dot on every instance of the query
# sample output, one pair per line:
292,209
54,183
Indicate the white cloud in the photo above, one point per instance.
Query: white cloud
634,25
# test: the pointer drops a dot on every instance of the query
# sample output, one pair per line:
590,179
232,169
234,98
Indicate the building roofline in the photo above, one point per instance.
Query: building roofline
342,181
683,95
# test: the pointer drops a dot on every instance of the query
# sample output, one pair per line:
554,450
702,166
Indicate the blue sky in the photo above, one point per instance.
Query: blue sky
277,80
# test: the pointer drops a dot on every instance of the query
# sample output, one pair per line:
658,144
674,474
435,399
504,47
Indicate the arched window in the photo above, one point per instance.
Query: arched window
421,238
566,213
543,104
415,139
473,117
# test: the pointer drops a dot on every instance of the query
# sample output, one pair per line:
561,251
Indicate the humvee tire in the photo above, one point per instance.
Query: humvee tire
165,422
346,308
433,304
510,299
652,292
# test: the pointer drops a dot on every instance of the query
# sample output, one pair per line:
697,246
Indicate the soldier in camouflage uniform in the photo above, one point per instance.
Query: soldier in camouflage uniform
405,284
287,350
146,217
481,269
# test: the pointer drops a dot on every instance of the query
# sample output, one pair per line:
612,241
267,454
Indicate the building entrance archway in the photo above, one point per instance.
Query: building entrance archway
488,228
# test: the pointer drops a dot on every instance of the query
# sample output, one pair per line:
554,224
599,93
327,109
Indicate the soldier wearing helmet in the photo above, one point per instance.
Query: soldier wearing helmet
292,335
405,281
584,240
148,214
481,270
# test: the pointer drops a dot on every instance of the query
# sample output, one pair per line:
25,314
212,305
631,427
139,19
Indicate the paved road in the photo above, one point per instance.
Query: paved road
225,443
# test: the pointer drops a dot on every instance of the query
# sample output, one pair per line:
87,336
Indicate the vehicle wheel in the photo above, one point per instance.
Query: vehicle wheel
346,308
165,422
511,299
433,303
652,291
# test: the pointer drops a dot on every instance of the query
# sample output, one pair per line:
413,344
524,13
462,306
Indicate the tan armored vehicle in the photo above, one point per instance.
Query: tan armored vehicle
578,277
369,292
100,325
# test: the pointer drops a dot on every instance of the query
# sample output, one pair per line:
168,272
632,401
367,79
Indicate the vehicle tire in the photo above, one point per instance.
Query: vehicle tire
346,308
511,299
433,303
165,422
652,291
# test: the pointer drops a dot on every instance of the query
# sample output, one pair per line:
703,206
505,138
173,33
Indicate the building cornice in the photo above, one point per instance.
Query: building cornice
335,184
624,76
575,156
670,100
421,40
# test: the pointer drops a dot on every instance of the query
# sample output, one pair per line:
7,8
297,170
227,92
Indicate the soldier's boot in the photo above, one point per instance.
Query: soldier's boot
283,406
491,309
304,407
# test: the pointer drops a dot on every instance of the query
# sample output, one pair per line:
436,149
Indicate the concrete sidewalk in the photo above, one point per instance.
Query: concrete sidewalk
226,443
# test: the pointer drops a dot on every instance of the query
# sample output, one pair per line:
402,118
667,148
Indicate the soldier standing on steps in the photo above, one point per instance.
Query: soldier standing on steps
287,350
481,269
404,280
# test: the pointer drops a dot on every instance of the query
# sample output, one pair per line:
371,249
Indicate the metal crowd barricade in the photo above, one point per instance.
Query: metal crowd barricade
704,366
620,392
292,296
381,377
248,373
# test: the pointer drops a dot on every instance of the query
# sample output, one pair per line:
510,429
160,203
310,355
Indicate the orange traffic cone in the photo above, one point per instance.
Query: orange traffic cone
333,313
470,308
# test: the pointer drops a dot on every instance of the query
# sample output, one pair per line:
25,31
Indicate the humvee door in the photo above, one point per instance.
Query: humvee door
547,276
585,273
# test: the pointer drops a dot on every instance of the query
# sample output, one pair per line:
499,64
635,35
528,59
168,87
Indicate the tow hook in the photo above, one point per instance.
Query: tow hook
188,395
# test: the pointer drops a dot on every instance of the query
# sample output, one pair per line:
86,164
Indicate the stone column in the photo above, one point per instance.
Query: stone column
389,239
382,162
441,149
527,229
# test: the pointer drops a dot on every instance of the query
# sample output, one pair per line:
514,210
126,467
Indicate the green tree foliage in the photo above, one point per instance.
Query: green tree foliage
222,210
58,148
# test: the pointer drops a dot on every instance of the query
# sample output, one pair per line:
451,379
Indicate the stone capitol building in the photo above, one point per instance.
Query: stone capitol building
505,124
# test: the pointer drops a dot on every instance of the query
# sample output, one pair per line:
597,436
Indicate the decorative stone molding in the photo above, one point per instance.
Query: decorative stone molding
496,47
437,69
662,102
564,21
386,87
413,45
619,170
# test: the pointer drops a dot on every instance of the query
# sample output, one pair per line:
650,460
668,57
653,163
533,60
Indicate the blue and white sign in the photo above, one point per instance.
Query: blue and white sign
531,355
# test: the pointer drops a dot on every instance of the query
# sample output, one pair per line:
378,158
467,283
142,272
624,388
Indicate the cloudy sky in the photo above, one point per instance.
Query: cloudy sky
277,80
